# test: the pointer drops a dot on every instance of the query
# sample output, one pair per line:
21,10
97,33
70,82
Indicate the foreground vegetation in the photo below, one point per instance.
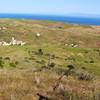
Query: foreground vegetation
62,64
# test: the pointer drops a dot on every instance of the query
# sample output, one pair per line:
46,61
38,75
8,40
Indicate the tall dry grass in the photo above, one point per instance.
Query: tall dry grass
25,84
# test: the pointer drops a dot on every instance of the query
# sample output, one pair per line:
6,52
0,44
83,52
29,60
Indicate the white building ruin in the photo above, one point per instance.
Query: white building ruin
12,42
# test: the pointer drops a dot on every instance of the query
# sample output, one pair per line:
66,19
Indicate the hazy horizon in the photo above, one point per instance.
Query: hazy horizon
51,7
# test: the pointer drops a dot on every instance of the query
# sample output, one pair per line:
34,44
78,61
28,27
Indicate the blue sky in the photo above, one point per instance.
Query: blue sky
51,7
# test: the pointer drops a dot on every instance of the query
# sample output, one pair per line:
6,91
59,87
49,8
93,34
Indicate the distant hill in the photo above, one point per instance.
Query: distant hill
51,32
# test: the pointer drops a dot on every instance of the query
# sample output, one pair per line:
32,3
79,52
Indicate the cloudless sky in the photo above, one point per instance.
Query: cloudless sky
51,7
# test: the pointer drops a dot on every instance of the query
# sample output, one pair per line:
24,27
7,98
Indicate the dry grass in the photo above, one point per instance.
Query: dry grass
25,84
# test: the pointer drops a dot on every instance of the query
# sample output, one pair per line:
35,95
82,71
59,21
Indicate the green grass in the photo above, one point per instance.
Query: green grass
18,63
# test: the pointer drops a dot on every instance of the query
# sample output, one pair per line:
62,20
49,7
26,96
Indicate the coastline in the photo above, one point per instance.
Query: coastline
65,19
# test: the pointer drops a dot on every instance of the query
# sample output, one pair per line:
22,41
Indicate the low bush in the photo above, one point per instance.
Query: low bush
52,65
16,62
12,64
84,68
41,62
40,52
70,67
1,63
91,61
32,58
84,75
53,56
1,58
7,58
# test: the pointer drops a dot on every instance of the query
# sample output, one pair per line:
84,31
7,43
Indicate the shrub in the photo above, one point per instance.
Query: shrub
1,58
32,58
91,61
26,59
1,63
52,65
40,51
47,54
41,62
53,56
16,62
83,68
12,64
66,71
84,76
60,70
7,58
70,58
70,67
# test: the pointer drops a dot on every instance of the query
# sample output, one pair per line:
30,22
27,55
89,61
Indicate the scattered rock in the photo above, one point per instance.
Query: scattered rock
38,35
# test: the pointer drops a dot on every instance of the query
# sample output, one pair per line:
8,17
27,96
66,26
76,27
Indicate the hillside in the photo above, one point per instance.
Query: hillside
36,66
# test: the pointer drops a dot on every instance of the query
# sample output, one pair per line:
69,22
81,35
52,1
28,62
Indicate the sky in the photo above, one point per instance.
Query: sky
51,7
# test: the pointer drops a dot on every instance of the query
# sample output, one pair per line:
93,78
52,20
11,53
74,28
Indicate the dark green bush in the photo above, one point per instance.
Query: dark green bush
32,58
1,63
70,67
1,58
52,65
40,52
16,62
12,64
83,68
7,58
91,61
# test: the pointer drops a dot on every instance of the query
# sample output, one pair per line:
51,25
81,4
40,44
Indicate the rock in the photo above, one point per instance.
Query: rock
38,34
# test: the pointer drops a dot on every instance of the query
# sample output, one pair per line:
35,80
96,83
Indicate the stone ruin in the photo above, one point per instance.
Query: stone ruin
12,42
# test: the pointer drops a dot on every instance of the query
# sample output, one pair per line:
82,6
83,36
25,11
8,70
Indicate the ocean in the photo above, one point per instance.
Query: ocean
65,19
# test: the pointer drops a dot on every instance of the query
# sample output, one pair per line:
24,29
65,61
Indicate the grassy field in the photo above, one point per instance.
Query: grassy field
36,67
